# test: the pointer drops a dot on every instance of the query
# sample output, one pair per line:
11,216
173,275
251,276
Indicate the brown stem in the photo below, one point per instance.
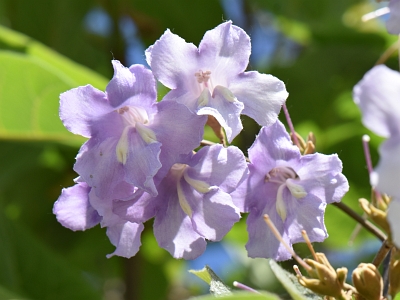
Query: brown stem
381,254
365,223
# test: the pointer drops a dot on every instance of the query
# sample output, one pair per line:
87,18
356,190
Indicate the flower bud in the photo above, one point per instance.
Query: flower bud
375,214
325,280
368,281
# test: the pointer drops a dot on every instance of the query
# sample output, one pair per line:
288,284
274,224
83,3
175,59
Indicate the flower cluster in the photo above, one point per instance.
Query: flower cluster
139,161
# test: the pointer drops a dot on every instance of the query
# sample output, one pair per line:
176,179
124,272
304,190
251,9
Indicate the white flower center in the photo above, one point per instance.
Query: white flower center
285,177
207,87
133,117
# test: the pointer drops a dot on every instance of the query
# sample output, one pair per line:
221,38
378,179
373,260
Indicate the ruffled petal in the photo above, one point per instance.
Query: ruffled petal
272,144
81,107
378,96
393,24
126,237
226,50
173,61
262,95
321,175
73,209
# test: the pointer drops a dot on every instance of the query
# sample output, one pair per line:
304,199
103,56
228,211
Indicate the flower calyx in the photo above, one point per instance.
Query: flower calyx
368,281
324,279
377,215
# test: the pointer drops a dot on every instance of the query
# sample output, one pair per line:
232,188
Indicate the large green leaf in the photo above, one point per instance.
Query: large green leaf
29,93
32,77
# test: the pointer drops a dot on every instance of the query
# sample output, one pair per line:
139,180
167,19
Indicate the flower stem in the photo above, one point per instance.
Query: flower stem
290,124
365,223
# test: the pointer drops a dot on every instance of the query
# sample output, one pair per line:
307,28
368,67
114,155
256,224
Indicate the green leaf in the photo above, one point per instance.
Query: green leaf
217,287
289,281
29,100
32,77
73,72
241,296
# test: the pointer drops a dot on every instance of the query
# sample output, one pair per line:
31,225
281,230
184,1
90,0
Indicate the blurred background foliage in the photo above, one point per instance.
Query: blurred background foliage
320,49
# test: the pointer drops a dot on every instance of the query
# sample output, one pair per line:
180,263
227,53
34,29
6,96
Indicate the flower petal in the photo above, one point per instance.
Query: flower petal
377,95
215,214
121,86
126,237
73,209
227,115
174,231
305,214
262,242
219,166
386,174
97,165
225,49
178,136
81,107
262,95
272,144
394,220
321,175
172,60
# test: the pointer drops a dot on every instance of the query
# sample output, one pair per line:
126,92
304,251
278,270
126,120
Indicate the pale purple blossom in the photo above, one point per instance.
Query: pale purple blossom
194,202
292,189
131,136
211,79
378,96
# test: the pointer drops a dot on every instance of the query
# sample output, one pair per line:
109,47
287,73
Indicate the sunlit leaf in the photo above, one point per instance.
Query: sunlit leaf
29,99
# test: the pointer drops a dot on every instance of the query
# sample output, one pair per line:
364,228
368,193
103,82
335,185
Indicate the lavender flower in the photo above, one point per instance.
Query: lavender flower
377,95
194,201
210,80
132,138
292,189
